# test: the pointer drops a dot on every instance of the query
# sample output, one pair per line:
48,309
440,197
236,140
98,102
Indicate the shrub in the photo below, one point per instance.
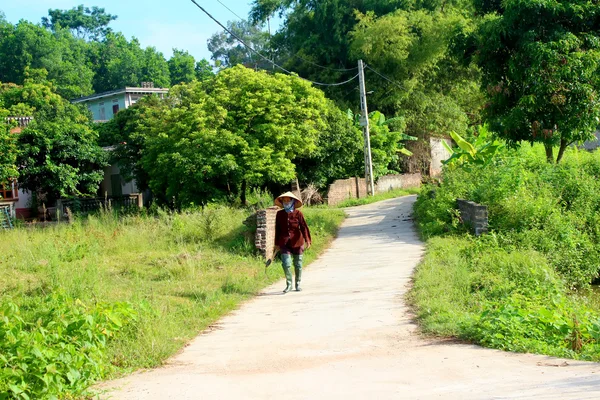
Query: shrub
56,348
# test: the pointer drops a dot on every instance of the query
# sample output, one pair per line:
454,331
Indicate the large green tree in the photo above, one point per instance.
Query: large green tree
27,46
84,22
541,70
182,67
119,63
216,138
58,151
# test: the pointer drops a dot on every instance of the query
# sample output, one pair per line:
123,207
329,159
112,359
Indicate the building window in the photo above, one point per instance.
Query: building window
115,108
9,191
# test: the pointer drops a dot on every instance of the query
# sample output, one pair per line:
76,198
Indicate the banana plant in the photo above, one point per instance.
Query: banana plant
480,151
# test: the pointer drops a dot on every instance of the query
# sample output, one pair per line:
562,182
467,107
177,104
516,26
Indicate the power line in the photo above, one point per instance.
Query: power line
264,57
387,79
295,55
230,10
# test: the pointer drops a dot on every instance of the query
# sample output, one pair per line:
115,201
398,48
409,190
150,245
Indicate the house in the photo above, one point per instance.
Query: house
10,194
103,107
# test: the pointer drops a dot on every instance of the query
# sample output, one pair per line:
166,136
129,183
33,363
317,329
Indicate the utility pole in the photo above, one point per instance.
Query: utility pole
364,122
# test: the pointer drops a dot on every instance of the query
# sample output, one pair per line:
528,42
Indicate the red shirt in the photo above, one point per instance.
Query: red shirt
291,229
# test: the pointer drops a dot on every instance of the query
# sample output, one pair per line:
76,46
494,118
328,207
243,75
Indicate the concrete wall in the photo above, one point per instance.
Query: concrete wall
474,215
354,188
402,181
438,154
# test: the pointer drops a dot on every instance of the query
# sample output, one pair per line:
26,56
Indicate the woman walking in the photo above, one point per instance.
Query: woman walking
292,236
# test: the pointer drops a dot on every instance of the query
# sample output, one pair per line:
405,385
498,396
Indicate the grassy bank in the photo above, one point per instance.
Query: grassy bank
166,277
378,197
525,286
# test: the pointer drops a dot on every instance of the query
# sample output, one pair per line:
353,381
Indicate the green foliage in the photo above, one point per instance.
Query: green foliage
180,272
204,70
480,152
532,205
227,51
58,151
409,41
85,22
58,347
502,298
211,139
25,47
540,62
119,63
338,153
8,148
182,67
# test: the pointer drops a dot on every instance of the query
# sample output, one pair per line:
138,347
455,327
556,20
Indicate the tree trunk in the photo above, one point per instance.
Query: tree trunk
243,193
561,151
549,153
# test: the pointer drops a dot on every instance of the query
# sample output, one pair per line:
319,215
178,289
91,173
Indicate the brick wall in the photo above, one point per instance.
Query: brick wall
344,189
473,214
353,188
265,231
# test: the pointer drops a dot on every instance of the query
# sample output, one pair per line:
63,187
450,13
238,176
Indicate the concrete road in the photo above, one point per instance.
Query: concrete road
349,335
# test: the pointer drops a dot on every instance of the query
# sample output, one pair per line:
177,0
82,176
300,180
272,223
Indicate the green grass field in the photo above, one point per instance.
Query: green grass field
179,272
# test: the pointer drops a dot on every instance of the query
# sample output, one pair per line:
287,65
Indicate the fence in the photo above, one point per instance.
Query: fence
84,205
5,217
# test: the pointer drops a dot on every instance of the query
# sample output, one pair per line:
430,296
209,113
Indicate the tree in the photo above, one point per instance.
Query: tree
227,51
240,129
8,148
182,67
338,154
84,22
155,68
204,70
120,63
27,46
541,70
59,155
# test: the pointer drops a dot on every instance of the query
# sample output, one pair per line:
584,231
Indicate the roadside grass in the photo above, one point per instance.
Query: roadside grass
524,286
391,194
179,272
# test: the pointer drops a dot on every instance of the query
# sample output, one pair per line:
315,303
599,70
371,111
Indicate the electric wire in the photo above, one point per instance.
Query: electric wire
386,78
295,55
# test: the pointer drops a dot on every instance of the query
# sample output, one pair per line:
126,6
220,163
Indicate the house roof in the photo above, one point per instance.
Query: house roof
135,90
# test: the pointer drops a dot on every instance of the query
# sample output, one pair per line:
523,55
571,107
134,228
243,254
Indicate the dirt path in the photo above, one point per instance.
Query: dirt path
348,336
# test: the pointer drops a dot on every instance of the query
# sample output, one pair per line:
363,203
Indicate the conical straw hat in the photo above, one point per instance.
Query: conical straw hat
291,195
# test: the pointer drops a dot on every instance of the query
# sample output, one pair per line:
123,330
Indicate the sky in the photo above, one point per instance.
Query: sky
165,24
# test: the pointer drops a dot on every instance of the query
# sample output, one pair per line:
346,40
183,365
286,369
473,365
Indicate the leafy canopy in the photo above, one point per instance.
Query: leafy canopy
58,151
541,70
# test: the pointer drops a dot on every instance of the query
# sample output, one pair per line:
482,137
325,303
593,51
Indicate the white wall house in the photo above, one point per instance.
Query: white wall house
104,106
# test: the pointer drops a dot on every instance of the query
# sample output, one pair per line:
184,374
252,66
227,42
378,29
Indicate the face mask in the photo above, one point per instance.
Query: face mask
289,206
